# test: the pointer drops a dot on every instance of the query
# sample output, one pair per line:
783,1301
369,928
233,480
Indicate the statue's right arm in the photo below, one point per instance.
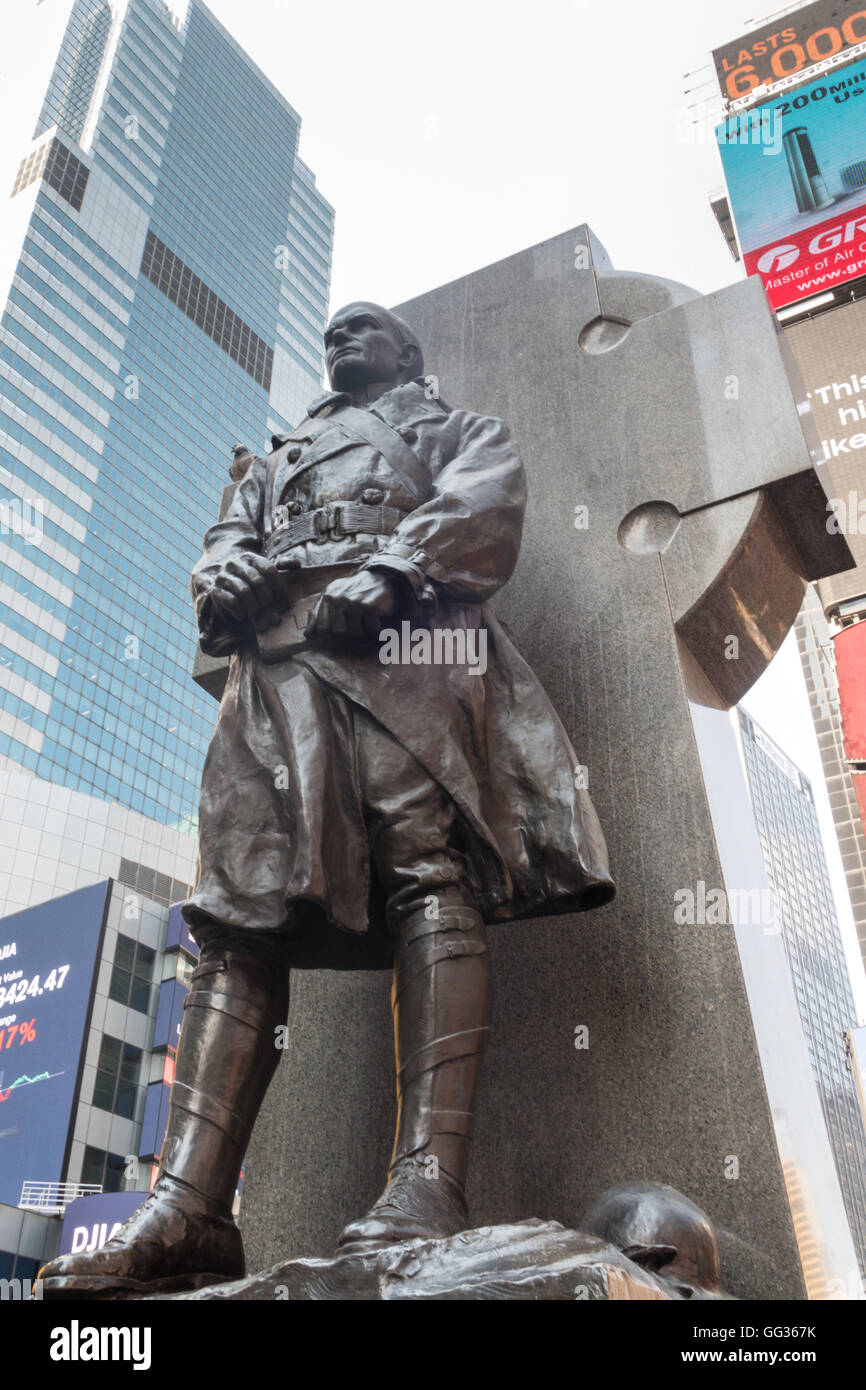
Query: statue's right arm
229,546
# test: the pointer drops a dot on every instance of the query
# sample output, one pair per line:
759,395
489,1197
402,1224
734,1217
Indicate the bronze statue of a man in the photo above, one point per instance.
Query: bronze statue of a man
386,776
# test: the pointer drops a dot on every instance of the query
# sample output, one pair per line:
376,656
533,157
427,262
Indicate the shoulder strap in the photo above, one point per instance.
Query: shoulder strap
402,460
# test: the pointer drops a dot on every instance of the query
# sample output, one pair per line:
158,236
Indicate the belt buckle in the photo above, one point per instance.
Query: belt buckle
327,521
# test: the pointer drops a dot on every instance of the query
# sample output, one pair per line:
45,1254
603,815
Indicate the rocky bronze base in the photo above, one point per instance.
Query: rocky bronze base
528,1260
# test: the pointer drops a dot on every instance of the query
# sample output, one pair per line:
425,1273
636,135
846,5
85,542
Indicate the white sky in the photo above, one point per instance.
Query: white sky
450,134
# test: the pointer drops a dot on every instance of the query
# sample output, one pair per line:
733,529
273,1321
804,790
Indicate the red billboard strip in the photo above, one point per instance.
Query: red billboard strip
813,261
858,781
850,646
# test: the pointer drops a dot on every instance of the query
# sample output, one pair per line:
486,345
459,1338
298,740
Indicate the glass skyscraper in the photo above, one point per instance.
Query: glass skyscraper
168,302
796,868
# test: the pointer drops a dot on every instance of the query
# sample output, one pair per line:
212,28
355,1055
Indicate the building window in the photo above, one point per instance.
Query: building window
152,884
117,1077
132,974
63,171
185,968
184,288
30,168
14,1266
66,174
105,1169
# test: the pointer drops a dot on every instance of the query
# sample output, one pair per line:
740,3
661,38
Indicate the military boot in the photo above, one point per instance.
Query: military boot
441,1004
184,1235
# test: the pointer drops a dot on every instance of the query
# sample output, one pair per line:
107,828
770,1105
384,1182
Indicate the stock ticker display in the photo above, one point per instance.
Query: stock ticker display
48,957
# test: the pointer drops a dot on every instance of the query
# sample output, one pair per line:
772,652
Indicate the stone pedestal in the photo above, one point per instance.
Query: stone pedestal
672,507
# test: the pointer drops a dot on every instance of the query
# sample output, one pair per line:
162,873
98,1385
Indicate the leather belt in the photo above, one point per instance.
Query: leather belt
332,522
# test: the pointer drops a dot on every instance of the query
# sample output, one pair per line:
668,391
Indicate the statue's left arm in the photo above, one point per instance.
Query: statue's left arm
461,545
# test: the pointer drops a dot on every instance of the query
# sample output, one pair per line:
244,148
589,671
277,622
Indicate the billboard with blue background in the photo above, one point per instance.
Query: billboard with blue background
177,936
89,1222
48,960
795,169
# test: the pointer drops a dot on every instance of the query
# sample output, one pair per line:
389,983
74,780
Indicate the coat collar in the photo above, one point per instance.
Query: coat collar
331,400
327,403
400,404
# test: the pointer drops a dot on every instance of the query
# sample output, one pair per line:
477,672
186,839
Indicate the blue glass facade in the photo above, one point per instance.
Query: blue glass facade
168,302
793,854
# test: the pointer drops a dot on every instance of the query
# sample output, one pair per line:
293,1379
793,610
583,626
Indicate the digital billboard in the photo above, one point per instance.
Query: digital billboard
89,1222
795,169
789,46
830,353
48,958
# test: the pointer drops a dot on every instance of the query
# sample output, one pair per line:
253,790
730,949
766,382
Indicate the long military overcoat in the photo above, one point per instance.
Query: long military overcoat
531,836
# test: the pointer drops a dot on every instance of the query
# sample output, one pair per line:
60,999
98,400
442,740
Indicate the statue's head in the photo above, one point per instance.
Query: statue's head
365,343
658,1227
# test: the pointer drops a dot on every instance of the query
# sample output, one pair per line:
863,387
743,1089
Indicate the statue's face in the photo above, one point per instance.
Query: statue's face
362,347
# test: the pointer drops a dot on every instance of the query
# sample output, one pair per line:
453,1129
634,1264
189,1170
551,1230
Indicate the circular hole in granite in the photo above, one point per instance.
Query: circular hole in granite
602,334
649,528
